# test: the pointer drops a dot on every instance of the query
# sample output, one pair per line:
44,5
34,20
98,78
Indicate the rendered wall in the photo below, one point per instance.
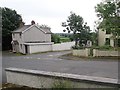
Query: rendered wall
81,52
62,46
40,48
97,53
44,79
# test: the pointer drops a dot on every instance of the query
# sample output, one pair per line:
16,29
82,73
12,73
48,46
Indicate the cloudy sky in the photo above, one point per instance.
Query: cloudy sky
53,12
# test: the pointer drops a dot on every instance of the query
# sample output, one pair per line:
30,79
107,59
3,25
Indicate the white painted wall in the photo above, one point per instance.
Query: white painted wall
43,47
81,52
40,47
62,46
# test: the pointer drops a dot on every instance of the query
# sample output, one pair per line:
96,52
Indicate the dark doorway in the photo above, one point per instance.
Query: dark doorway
26,49
118,42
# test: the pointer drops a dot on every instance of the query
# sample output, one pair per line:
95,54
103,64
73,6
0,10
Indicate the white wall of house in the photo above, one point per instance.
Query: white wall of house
48,37
34,34
17,36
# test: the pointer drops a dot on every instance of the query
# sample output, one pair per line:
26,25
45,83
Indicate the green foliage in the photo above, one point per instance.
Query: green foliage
10,21
77,47
65,39
66,35
108,13
105,47
55,38
94,38
76,25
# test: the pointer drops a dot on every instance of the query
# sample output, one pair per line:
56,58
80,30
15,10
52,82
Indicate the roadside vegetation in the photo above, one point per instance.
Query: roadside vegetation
60,38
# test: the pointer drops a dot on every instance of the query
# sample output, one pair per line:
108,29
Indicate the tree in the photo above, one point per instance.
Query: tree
76,25
10,21
108,13
55,38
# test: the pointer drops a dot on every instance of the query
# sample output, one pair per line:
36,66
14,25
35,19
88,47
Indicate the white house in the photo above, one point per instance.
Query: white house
105,38
30,38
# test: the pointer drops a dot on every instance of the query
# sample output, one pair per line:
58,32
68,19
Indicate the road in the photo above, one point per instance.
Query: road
50,61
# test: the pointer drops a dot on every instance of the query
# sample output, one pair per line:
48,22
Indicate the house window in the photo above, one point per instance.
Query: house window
108,32
107,41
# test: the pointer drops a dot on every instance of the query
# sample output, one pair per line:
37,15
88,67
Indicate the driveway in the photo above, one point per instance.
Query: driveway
50,61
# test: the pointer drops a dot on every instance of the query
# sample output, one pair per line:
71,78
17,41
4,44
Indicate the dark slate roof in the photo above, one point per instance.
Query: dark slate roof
46,30
22,28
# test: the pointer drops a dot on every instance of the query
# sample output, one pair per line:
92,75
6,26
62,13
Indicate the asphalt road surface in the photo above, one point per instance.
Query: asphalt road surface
50,62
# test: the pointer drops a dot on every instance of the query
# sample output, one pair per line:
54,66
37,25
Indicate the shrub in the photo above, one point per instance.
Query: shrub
105,47
77,47
55,38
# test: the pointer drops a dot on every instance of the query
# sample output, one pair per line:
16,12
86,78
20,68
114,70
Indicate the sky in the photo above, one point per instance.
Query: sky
53,12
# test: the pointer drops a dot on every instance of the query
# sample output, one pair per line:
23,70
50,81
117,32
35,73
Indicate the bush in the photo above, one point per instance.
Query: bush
55,38
77,47
105,47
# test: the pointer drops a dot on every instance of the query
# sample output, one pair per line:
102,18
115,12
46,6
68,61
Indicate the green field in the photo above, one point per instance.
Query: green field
64,39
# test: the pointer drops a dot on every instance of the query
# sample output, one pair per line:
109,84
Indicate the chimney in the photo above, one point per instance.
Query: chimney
32,22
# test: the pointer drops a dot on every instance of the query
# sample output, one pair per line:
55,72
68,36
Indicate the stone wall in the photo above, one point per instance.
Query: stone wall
81,52
97,53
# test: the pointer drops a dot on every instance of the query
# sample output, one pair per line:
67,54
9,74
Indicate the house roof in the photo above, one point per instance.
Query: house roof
22,28
27,27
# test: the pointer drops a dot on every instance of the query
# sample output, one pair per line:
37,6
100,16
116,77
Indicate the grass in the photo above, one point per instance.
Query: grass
4,53
64,39
61,84
9,86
